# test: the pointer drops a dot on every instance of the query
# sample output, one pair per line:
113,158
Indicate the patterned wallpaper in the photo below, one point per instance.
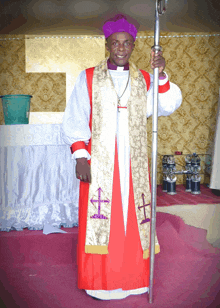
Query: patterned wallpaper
191,62
48,89
63,54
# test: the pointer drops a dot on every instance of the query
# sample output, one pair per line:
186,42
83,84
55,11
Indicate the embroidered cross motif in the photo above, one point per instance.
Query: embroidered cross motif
99,216
144,205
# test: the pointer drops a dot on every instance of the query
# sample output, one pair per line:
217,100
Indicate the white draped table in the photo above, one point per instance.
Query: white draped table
37,178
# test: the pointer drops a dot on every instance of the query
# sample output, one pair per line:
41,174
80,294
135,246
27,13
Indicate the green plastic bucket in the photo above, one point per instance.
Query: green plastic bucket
16,108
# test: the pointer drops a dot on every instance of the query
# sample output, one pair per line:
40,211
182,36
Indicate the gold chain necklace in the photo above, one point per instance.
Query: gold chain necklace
119,97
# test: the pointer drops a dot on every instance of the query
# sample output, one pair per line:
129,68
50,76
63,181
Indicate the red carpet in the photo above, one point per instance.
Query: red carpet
182,197
39,271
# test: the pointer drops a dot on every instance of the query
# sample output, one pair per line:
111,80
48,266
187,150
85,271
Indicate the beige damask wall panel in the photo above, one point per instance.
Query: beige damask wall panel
63,54
191,62
48,90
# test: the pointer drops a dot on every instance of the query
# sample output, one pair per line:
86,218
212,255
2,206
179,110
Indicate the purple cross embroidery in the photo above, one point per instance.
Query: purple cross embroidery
99,216
144,205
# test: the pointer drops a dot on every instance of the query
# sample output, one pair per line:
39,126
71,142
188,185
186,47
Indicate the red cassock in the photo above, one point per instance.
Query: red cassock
124,266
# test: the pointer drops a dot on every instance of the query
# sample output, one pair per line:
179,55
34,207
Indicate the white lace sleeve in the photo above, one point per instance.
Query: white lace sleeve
75,125
168,102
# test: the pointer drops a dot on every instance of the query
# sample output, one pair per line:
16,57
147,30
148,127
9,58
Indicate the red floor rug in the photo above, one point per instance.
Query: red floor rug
182,197
40,271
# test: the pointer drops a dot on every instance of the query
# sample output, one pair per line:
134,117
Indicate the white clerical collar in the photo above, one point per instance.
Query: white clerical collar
120,68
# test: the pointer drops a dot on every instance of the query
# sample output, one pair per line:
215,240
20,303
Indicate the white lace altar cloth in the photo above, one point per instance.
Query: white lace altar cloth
37,178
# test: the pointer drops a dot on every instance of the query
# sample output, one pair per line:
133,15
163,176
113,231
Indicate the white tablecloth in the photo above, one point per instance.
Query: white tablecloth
37,178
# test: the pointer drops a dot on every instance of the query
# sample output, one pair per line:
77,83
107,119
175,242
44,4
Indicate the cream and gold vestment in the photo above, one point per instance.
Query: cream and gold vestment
128,127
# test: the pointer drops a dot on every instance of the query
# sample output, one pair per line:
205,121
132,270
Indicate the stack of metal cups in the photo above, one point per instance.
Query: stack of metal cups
196,178
193,178
171,177
164,164
188,160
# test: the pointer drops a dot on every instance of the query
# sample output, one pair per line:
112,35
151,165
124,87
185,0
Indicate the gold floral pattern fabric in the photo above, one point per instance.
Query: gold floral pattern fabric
137,110
104,111
48,89
69,55
192,62
102,163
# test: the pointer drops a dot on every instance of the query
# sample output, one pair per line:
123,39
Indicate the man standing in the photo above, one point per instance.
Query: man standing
105,125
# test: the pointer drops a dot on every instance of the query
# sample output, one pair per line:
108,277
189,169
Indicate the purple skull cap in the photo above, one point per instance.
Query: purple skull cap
119,23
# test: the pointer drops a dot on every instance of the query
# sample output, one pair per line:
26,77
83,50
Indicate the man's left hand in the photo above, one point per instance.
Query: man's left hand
157,61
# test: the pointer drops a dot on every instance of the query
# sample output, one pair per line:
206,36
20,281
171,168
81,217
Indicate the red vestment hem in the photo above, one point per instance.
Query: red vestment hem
124,266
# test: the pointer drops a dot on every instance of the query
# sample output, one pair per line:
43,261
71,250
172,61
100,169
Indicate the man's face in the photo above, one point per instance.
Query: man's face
120,45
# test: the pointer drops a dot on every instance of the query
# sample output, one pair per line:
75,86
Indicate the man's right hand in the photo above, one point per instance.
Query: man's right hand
83,170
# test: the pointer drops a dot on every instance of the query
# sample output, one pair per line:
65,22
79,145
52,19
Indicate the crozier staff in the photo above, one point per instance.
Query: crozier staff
105,125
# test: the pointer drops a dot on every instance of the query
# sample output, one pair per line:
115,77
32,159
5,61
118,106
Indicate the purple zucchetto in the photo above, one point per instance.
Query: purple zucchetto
119,23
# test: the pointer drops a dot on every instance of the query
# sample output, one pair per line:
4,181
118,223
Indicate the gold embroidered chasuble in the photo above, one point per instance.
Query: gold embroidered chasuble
104,125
